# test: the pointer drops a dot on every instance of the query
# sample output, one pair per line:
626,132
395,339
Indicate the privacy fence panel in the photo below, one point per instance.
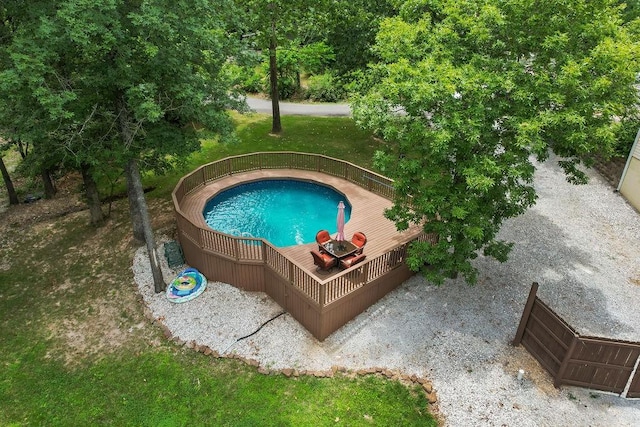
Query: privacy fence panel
601,364
547,337
591,362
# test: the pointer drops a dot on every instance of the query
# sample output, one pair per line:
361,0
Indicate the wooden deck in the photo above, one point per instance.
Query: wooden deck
367,214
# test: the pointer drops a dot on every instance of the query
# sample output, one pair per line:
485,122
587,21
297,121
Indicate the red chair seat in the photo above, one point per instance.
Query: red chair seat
351,260
322,237
359,239
324,261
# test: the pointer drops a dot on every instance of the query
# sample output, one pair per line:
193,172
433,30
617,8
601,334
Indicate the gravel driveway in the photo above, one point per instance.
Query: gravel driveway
581,243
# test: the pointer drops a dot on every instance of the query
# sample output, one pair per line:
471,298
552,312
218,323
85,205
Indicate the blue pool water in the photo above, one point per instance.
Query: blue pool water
285,212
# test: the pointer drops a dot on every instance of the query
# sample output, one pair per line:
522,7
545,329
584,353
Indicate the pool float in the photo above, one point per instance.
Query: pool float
186,286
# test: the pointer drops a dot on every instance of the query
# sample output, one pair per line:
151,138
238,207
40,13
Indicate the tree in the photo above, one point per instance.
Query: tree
278,23
19,117
351,32
11,192
123,84
467,93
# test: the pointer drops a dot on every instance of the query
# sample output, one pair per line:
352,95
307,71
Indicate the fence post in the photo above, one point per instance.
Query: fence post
525,314
323,295
635,372
565,362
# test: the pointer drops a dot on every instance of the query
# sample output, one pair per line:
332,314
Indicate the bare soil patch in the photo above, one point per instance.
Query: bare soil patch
99,313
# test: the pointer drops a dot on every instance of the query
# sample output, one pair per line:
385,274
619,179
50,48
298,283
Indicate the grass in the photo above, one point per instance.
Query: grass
332,136
178,388
77,349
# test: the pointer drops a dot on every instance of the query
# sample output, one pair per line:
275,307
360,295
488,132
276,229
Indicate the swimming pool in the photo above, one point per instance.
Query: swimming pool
285,212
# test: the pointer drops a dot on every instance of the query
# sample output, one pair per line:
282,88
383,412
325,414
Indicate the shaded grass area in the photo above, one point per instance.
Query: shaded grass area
77,350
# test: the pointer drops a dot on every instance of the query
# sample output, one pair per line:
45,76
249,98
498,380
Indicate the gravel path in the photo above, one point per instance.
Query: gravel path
579,242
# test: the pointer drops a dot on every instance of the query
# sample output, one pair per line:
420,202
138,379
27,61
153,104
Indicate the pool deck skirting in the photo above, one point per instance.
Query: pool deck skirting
320,301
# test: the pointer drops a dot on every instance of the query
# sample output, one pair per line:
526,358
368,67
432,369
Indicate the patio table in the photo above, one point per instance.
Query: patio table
340,248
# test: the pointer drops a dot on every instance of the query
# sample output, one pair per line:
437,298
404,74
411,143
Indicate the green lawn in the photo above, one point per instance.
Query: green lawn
77,350
332,136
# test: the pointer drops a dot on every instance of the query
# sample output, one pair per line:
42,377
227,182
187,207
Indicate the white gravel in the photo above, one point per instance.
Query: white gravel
581,243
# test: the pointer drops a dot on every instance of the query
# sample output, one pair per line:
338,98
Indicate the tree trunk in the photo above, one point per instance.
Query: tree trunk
13,196
137,202
23,148
276,126
47,182
93,197
141,205
136,216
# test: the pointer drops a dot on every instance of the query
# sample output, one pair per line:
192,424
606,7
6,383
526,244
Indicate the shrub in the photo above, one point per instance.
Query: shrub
325,88
246,77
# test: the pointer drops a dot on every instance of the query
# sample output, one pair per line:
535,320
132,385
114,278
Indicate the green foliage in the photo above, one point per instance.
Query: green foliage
467,92
288,73
627,135
286,31
324,88
351,32
631,10
249,79
315,58
99,82
293,61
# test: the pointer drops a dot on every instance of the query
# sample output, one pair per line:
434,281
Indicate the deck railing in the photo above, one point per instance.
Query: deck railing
320,293
372,181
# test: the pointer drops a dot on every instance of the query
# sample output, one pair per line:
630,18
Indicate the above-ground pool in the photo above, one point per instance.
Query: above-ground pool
284,212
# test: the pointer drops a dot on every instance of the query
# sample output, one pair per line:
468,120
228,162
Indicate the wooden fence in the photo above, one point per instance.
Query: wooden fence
591,362
255,265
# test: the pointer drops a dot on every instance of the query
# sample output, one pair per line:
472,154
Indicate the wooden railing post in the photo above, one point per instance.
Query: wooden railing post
365,273
557,380
290,271
525,314
322,297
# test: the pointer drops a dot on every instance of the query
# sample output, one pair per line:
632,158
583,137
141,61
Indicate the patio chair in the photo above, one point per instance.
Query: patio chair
351,260
322,237
359,239
323,261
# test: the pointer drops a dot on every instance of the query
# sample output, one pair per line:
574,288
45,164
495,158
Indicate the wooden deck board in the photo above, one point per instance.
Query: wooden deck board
367,213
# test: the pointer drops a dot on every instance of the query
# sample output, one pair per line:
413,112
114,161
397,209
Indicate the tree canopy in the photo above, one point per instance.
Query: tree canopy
73,70
466,94
114,83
